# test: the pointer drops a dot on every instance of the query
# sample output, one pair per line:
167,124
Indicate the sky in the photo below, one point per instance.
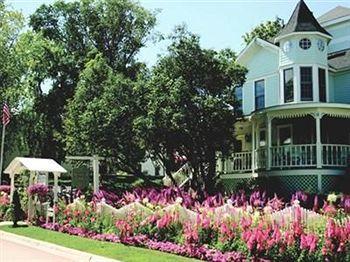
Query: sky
219,23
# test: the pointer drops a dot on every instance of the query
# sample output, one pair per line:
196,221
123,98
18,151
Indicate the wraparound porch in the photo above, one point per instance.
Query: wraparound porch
292,137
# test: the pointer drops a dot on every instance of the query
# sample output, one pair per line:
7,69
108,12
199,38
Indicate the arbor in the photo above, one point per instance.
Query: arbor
116,29
265,31
100,117
190,106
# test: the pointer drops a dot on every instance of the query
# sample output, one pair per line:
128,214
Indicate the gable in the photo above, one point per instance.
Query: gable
260,61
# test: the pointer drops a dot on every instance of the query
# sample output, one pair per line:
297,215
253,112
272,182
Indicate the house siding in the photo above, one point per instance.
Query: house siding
296,55
341,36
341,88
263,65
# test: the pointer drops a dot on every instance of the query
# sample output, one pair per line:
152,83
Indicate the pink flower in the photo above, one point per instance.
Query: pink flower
308,242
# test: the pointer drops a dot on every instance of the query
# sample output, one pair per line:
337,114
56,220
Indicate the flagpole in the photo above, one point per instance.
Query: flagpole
2,149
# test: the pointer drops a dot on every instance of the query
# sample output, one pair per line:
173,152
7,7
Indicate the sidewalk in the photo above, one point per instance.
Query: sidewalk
18,248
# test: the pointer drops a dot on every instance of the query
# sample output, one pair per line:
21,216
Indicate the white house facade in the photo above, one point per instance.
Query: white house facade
296,105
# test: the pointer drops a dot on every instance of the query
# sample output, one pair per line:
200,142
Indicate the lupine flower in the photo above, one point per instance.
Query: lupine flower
308,242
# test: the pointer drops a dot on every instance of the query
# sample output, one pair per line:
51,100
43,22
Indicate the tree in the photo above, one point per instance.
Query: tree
100,117
190,106
17,212
116,29
266,31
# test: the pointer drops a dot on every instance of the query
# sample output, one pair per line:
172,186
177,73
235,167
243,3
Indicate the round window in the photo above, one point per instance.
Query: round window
305,43
287,46
320,45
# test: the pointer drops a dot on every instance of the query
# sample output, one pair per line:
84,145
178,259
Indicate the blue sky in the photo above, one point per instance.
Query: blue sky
220,23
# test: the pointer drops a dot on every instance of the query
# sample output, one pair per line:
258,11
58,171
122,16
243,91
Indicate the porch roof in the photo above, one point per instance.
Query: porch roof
304,109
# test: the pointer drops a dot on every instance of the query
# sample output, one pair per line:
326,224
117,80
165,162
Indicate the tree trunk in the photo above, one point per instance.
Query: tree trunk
210,173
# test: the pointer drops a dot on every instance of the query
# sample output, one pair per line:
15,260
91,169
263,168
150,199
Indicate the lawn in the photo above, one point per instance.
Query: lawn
106,249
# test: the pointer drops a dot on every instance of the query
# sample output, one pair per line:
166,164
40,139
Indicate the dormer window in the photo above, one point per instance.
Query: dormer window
305,43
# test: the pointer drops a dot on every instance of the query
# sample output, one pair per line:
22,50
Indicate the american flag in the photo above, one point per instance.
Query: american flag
6,115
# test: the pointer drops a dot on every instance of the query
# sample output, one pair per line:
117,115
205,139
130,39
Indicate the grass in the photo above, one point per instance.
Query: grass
106,249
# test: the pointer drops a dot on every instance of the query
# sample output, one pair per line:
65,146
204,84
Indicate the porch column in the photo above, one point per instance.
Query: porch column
318,116
95,167
253,146
31,204
269,142
12,187
55,187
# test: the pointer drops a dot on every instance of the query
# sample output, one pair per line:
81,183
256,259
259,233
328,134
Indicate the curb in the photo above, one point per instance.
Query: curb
54,249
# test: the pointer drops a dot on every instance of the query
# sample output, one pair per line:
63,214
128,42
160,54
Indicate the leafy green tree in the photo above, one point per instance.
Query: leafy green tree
266,31
190,106
117,29
100,117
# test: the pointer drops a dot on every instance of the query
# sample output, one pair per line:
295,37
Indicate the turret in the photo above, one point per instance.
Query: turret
303,58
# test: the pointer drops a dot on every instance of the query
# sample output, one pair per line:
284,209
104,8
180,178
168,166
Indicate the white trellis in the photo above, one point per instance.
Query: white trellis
95,161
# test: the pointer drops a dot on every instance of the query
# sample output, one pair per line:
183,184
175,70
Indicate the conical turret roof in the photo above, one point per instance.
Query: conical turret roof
302,20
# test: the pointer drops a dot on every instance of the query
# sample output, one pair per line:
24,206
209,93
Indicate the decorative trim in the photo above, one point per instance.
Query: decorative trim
277,39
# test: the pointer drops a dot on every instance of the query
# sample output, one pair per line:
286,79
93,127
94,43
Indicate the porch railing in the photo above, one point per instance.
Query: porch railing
238,162
260,158
335,155
293,156
288,156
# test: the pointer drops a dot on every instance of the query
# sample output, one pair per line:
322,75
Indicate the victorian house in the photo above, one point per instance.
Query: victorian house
296,105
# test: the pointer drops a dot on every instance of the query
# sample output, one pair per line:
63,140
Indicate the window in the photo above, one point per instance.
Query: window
320,45
284,135
262,138
288,85
239,97
259,94
305,43
306,84
322,84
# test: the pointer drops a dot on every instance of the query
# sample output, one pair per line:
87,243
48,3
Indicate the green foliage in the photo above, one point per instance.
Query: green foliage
65,37
100,116
190,106
266,31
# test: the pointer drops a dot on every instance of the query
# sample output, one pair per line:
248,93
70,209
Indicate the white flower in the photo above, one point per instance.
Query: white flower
249,209
226,216
82,197
145,200
178,200
229,202
296,203
331,198
267,210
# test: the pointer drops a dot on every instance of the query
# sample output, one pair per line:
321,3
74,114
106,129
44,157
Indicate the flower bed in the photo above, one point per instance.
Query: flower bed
234,228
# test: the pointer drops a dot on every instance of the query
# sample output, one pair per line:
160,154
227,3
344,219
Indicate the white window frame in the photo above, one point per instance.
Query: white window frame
314,72
278,133
327,84
254,105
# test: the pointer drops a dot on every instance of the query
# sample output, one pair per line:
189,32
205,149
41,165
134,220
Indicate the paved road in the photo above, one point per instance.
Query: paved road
14,252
